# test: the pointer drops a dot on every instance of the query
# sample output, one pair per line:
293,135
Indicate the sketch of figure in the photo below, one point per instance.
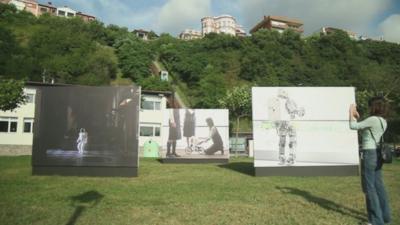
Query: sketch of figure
174,132
282,110
189,125
82,140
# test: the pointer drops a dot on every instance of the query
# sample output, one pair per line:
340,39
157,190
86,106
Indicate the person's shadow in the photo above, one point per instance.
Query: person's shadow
83,201
324,203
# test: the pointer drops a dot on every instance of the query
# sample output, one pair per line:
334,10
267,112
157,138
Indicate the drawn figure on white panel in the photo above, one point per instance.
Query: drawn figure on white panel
82,140
282,110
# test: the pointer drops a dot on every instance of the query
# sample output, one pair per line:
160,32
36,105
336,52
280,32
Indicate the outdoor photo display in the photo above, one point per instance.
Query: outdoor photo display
195,134
303,126
78,126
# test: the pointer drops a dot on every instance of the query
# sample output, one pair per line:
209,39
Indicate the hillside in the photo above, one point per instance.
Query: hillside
76,52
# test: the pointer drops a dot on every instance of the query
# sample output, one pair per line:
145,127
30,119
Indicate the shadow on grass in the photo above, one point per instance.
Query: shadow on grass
324,203
246,168
82,202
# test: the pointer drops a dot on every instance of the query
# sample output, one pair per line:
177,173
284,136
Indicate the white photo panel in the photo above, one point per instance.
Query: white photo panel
303,126
195,133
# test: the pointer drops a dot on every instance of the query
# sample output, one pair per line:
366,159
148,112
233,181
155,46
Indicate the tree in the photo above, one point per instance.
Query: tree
211,89
11,94
134,57
238,101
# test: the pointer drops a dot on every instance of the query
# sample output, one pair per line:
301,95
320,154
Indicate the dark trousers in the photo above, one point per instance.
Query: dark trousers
374,189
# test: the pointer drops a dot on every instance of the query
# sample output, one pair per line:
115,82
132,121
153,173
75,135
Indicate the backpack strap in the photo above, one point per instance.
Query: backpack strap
373,137
383,131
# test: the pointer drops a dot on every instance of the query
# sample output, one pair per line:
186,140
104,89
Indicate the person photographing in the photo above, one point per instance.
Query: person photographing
372,128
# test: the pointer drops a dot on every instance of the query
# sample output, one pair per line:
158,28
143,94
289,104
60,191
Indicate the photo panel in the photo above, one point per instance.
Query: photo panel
304,127
84,127
195,134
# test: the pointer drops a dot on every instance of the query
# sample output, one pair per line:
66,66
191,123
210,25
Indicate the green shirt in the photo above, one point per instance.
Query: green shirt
371,123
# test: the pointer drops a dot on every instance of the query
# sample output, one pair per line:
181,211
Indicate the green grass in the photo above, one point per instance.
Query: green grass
184,194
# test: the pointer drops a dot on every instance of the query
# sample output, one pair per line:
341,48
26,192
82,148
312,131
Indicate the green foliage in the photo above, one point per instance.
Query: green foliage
11,94
134,57
238,101
211,89
154,83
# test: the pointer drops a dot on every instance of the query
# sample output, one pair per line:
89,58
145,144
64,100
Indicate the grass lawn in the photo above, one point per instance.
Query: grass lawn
184,194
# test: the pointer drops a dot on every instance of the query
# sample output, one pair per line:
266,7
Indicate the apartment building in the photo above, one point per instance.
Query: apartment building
330,30
190,34
279,23
46,8
38,9
65,12
221,24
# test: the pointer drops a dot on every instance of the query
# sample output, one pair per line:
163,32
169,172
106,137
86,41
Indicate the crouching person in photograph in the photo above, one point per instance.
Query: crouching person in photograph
372,128
214,136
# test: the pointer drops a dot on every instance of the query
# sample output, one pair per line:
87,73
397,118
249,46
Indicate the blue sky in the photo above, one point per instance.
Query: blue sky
372,18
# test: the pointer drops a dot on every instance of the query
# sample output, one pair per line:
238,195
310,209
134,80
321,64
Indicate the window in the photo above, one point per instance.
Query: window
151,105
43,10
8,124
28,125
61,13
3,126
70,14
30,98
150,130
146,131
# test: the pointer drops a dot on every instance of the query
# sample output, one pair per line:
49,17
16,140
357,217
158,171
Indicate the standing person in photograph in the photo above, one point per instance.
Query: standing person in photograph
174,132
288,111
372,128
217,145
189,125
82,140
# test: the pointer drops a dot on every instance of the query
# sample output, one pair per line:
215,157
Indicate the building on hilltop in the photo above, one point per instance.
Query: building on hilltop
190,34
279,23
330,30
46,8
39,9
142,34
65,12
221,24
85,17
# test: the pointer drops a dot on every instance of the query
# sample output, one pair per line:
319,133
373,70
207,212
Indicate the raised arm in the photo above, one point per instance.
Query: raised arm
353,116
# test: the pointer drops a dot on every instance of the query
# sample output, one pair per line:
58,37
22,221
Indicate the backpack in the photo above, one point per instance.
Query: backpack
384,150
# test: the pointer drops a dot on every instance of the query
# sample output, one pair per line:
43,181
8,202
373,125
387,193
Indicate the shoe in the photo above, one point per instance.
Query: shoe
175,155
222,152
290,160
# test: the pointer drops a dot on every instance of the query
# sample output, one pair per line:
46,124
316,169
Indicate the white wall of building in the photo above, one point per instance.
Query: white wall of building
151,118
21,115
65,12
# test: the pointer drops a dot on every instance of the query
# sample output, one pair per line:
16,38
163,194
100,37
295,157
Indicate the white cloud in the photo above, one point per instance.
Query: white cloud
354,15
390,28
177,15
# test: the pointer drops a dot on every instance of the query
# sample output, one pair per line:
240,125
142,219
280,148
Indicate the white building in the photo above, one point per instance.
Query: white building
16,127
190,34
221,24
65,12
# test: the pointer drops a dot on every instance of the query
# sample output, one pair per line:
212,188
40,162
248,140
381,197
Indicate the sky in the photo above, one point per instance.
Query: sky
371,18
